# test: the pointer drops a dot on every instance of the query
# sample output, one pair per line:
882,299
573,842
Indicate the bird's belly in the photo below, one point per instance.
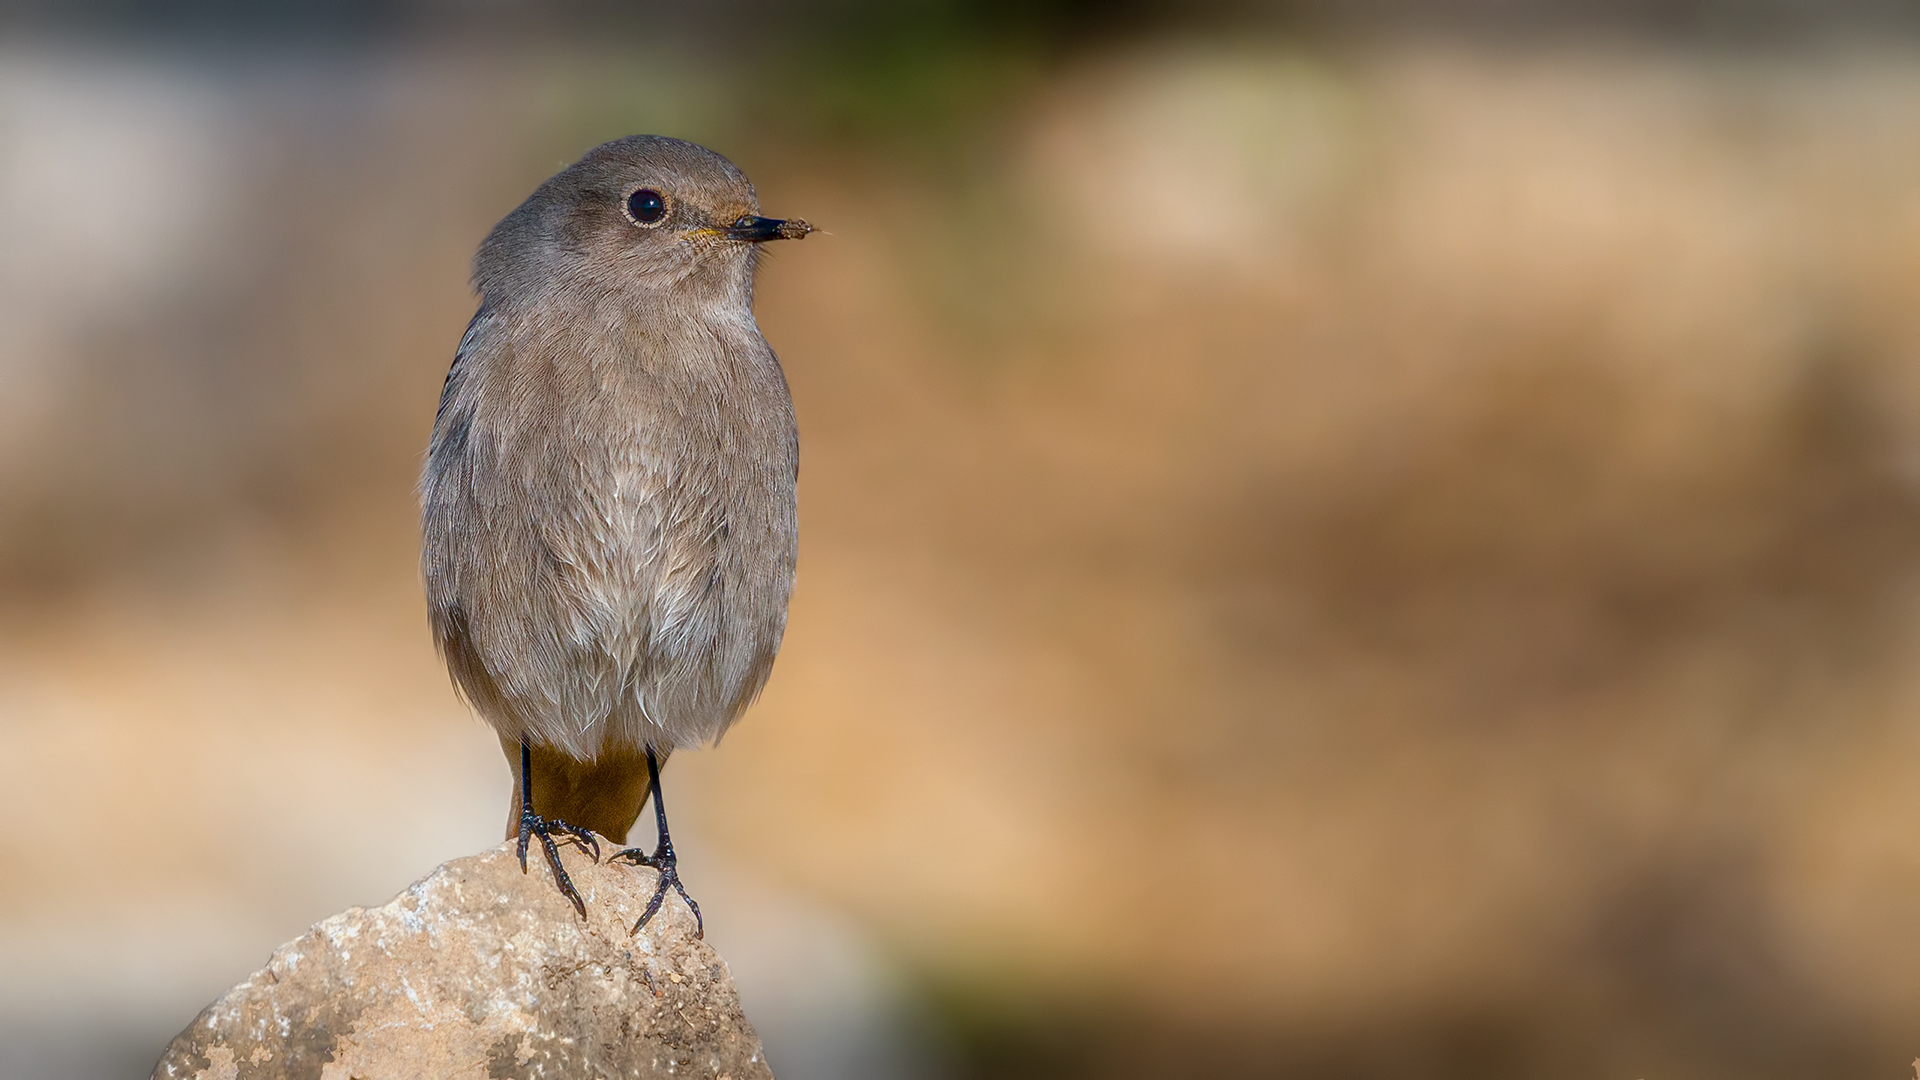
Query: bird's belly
616,573
671,606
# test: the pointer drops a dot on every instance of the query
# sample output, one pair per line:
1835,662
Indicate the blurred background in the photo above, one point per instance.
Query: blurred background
1340,540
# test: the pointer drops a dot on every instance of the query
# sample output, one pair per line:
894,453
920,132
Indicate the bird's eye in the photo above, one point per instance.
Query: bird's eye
646,206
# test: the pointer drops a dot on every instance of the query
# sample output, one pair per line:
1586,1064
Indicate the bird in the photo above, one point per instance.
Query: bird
609,528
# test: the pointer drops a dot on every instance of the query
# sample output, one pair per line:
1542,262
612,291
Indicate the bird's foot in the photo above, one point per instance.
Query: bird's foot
532,824
664,861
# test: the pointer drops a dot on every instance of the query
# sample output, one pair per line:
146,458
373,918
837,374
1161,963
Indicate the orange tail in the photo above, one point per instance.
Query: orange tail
604,794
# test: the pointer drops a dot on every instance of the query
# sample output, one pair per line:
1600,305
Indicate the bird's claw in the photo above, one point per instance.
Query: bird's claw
667,865
532,824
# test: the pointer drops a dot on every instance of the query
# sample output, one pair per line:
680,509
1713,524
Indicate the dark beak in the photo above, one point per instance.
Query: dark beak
757,229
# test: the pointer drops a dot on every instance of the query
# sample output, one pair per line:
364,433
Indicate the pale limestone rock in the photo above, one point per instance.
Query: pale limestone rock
478,971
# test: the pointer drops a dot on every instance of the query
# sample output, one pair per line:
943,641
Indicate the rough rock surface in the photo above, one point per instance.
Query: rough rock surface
480,971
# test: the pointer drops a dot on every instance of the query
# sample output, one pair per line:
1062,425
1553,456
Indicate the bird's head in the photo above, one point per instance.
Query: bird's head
645,212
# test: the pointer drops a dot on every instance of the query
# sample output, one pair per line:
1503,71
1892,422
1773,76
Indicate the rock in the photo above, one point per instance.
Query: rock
480,971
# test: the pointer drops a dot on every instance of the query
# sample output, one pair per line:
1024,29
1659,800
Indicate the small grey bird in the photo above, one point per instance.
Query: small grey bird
608,503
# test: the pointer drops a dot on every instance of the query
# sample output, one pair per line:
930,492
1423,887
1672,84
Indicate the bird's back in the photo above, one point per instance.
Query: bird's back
609,517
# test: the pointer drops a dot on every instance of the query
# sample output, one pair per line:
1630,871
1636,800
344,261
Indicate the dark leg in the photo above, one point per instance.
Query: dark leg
662,858
532,824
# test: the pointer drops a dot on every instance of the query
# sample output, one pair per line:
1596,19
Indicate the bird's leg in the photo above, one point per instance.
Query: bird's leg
662,858
532,824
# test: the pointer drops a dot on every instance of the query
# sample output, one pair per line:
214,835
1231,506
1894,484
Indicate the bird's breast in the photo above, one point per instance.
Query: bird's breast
672,487
611,526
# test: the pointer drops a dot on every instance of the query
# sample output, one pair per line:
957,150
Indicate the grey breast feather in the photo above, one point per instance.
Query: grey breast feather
587,578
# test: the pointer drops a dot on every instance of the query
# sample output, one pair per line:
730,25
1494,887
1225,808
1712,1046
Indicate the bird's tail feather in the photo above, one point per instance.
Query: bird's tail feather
605,794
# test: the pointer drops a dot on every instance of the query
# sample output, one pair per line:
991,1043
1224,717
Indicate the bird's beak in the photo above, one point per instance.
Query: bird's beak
757,229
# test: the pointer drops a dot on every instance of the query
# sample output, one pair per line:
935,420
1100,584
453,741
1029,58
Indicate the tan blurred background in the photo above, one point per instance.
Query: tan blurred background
1339,541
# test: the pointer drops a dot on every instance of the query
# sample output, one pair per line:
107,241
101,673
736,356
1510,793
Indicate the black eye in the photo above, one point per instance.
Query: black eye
646,206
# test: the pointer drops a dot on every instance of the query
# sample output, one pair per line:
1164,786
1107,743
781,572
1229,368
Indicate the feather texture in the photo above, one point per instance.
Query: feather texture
609,523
